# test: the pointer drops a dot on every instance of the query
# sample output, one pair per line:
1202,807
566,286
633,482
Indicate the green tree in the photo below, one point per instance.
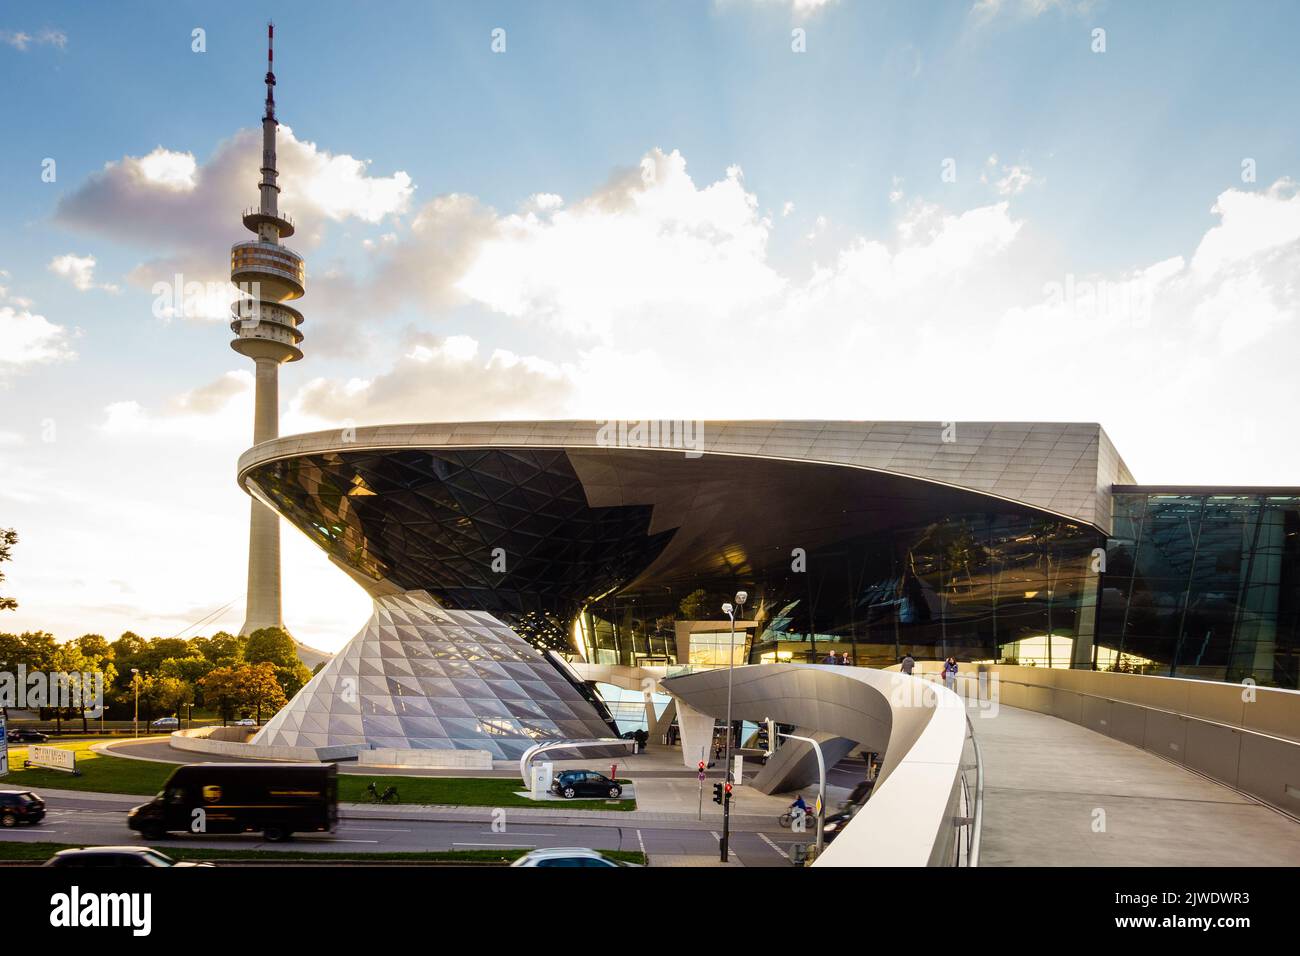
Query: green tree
172,695
8,538
221,691
262,690
274,646
222,649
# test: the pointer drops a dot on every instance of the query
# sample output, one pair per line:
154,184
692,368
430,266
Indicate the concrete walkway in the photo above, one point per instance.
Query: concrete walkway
1057,794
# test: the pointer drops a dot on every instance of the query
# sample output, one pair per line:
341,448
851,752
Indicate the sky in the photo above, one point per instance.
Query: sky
1027,210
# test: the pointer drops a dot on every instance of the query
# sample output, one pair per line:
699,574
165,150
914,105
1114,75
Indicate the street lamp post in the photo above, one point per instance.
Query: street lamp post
135,721
821,788
724,845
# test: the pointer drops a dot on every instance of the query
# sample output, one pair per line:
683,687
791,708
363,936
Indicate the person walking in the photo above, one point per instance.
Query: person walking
950,673
908,664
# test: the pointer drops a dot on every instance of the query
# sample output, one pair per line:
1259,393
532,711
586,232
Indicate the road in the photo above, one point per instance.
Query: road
85,821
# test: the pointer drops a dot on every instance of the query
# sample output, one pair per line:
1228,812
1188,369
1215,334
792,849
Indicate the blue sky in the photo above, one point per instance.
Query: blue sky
579,225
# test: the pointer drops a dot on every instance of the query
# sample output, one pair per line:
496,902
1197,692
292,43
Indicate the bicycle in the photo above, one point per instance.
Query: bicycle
388,796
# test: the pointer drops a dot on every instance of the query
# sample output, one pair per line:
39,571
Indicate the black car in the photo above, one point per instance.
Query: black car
20,806
26,737
114,856
585,783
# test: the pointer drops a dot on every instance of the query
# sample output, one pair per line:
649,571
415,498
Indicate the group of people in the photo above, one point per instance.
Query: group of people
908,664
843,659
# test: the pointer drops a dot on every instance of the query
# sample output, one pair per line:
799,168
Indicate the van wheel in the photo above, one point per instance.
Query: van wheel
276,834
8,820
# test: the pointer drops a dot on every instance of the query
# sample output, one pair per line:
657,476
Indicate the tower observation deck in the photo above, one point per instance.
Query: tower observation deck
268,275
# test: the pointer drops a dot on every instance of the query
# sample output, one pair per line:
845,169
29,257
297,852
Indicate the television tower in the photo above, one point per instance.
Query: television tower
266,330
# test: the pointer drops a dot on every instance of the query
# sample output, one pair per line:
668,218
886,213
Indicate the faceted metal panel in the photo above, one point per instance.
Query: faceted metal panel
379,692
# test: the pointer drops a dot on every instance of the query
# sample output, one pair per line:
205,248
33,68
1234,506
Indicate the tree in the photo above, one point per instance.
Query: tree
252,686
8,538
222,649
221,691
172,694
274,646
97,654
262,689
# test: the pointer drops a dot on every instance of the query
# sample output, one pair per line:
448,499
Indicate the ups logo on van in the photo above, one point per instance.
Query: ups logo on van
211,792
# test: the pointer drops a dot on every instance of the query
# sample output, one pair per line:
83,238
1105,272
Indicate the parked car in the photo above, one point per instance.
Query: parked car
20,806
163,722
566,856
277,799
17,736
585,783
246,722
114,856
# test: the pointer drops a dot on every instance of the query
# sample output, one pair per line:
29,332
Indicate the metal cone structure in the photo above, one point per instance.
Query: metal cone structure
421,676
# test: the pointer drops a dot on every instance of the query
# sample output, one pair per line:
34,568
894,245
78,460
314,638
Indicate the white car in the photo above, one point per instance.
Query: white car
566,856
166,722
246,722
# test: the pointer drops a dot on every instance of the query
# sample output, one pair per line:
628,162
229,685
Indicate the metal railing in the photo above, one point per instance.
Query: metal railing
973,822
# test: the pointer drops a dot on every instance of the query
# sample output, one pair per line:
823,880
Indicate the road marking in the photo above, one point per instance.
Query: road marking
502,846
641,842
336,840
764,838
512,833
730,852
374,830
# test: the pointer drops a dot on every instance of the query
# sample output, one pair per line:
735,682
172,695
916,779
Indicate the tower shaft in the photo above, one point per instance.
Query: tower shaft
268,275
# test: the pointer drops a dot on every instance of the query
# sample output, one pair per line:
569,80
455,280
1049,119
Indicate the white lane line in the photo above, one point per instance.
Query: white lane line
512,833
764,838
502,846
641,842
336,840
374,830
717,836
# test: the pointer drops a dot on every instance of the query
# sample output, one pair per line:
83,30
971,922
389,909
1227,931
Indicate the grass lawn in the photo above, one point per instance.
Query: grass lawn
464,792
99,773
106,774
40,852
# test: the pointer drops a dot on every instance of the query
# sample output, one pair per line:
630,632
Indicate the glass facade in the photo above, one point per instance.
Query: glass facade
627,557
972,584
1204,585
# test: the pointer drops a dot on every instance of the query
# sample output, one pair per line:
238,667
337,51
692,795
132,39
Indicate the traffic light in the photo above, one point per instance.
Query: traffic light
717,793
701,766
728,789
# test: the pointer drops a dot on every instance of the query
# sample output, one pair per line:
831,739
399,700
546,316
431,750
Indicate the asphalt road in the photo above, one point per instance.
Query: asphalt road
84,821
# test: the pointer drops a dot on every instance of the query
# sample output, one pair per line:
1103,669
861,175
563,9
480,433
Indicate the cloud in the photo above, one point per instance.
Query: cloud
437,379
220,410
30,339
1007,180
984,11
797,7
23,41
648,239
185,212
80,271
